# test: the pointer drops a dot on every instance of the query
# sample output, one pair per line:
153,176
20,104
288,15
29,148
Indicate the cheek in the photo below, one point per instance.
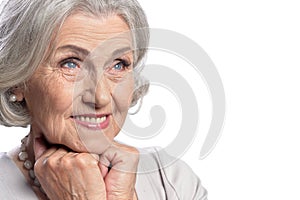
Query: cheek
122,93
48,97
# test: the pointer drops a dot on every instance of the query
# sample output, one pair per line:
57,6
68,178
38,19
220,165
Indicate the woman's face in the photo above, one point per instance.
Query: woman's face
79,96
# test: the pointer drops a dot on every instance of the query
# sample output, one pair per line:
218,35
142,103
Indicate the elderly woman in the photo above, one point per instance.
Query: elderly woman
70,70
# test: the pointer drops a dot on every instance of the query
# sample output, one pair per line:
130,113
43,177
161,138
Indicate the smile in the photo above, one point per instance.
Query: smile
92,122
91,119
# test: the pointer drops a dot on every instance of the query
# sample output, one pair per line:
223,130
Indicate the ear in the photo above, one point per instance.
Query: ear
19,92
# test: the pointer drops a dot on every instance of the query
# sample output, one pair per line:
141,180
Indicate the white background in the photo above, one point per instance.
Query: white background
255,46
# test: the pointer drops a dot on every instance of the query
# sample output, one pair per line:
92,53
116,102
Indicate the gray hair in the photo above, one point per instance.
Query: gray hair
26,27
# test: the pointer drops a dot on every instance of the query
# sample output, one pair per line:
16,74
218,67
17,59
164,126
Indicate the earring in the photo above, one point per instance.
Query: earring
12,98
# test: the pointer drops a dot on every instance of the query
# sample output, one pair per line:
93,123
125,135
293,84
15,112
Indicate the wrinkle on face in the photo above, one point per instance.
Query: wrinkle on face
55,93
87,34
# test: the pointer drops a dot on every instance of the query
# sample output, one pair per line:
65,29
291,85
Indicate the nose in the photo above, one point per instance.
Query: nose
99,94
102,93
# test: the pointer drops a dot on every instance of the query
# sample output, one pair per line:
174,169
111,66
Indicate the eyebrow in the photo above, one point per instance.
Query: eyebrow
84,52
74,49
121,51
117,53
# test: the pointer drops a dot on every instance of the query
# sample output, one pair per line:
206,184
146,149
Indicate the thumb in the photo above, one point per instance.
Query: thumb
104,169
121,158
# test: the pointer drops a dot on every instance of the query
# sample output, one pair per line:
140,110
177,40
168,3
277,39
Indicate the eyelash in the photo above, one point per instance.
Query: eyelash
125,64
70,60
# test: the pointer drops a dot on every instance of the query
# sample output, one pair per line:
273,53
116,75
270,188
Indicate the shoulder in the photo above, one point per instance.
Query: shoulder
13,184
5,162
170,177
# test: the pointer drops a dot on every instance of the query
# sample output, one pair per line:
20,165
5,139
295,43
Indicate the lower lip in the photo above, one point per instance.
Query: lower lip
94,126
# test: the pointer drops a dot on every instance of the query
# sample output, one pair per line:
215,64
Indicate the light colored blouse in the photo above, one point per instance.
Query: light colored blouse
155,180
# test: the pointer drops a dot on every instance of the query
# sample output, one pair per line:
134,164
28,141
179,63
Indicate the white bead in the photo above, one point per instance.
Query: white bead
23,147
36,182
23,156
31,174
28,164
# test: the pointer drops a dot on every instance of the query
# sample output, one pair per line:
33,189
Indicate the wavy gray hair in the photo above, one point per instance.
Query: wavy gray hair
26,27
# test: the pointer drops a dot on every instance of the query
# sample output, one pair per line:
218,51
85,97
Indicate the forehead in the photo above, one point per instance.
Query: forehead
90,32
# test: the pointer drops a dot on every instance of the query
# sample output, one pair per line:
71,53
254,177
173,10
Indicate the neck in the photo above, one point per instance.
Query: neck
29,147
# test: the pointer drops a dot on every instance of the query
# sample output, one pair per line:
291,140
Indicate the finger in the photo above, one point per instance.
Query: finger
104,169
125,148
121,157
59,154
54,153
47,153
95,156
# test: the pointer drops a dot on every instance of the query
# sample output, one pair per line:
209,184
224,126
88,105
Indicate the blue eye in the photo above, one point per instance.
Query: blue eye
119,66
70,64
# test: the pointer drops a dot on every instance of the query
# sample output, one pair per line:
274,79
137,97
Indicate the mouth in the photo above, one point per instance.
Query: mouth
92,121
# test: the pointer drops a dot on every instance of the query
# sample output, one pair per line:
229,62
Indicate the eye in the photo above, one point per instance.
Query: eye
69,64
119,66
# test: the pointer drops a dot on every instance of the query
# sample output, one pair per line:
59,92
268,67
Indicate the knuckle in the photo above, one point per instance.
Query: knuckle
132,150
126,148
38,164
66,162
132,153
38,168
84,159
50,162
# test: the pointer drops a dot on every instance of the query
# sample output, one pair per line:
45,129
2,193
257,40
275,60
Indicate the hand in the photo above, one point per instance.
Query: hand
68,175
120,179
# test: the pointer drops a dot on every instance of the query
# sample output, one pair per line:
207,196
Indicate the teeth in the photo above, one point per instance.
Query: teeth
98,120
91,119
102,119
